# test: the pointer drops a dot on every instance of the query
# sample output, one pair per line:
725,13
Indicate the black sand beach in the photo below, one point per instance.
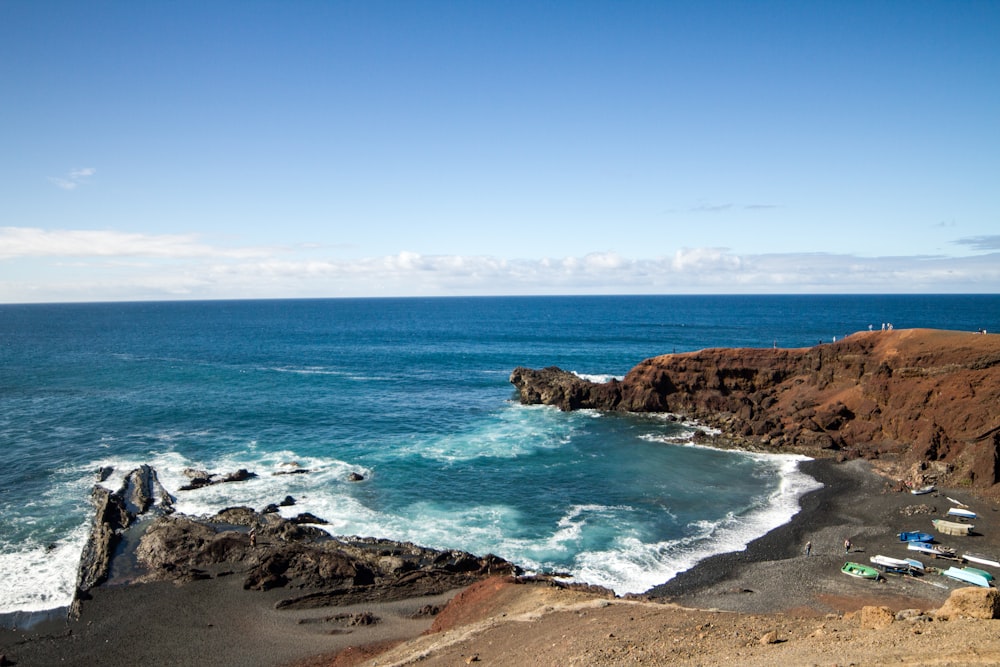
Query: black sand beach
217,622
208,622
774,574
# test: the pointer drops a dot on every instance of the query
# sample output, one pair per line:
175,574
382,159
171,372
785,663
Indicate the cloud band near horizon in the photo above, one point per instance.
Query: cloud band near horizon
95,265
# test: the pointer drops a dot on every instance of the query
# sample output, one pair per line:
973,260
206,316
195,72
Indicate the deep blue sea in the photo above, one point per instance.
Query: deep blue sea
414,395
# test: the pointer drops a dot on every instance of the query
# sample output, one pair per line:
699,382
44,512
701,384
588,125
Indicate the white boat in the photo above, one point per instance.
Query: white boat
915,565
960,513
890,563
957,502
974,578
981,559
932,549
922,490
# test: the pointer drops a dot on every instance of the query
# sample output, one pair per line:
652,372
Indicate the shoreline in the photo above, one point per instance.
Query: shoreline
782,542
170,623
774,575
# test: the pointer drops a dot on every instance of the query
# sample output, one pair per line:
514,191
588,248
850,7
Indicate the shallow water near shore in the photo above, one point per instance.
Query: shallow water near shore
413,395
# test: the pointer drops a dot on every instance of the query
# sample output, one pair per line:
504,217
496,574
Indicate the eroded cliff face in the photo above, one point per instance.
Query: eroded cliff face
917,397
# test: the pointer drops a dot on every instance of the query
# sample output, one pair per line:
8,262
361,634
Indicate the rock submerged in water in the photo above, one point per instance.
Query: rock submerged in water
201,478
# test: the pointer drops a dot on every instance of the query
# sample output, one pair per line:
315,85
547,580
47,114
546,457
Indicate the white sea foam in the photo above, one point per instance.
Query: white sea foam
324,370
38,577
681,437
516,431
634,566
598,378
570,528
275,478
631,563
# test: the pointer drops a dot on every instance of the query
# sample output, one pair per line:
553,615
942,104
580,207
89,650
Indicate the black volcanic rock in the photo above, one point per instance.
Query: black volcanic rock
554,386
200,478
268,550
114,512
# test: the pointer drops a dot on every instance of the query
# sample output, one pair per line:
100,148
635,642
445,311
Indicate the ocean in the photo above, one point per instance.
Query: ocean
413,394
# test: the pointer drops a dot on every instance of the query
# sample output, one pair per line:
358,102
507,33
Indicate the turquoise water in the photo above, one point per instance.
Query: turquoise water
414,394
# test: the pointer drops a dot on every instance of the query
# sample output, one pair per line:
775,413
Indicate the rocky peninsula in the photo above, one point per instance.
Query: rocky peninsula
923,401
879,412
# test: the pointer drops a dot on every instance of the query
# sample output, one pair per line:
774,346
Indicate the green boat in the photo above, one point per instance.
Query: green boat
860,571
982,573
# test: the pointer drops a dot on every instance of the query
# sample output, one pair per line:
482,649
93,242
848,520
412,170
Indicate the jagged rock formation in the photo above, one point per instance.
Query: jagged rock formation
201,478
285,553
267,550
114,512
918,396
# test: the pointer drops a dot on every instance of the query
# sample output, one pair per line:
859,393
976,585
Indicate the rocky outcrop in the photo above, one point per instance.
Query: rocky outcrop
201,478
285,553
925,398
876,617
115,511
971,602
265,549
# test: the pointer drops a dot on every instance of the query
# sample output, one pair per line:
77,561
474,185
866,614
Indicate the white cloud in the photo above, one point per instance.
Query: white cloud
704,259
91,265
34,242
604,261
75,178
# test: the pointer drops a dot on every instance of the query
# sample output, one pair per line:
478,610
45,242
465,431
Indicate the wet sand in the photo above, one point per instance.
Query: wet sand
217,622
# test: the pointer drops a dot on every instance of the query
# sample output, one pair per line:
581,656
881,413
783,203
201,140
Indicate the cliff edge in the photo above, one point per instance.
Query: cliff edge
925,401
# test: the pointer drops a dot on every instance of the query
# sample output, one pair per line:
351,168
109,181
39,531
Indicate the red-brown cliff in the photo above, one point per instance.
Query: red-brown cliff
914,397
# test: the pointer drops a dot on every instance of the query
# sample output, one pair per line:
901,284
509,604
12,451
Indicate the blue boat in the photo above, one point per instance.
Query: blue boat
916,537
969,577
983,573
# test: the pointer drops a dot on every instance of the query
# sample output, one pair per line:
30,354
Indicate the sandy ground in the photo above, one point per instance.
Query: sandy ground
721,611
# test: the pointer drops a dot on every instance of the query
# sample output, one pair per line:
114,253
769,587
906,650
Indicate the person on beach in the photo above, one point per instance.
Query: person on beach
253,537
809,548
847,546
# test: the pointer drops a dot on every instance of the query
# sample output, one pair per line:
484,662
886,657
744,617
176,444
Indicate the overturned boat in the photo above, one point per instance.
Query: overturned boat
952,527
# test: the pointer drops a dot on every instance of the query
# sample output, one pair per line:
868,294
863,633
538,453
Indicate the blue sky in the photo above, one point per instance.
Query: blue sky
192,150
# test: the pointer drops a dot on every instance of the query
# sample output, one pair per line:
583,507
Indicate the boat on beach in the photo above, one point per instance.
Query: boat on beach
952,527
860,571
975,570
968,576
915,537
981,559
922,490
915,565
889,564
935,550
960,513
